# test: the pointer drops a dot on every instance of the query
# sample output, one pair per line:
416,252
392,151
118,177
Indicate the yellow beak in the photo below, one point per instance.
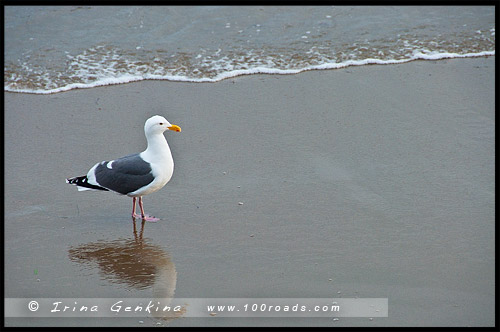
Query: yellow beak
175,128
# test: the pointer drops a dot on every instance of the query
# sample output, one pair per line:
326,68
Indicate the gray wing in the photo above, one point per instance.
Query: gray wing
126,175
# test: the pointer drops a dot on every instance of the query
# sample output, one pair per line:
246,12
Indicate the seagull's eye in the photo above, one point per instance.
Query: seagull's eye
161,123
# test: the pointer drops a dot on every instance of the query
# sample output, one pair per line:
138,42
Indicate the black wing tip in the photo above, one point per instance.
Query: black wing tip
76,180
82,181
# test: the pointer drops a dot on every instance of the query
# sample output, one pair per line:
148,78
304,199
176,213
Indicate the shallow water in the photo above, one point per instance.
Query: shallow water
53,49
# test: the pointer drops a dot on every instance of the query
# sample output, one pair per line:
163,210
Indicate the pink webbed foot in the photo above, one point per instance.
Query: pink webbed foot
150,218
146,217
142,215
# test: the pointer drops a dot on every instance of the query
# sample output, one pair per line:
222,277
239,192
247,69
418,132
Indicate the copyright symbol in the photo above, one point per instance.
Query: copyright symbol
33,306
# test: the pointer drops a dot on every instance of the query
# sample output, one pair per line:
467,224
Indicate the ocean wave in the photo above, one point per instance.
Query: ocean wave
137,75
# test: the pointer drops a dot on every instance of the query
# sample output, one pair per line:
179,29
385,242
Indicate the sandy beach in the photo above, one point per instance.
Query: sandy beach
371,182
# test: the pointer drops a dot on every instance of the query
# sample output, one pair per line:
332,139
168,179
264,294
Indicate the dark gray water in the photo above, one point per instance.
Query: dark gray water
52,49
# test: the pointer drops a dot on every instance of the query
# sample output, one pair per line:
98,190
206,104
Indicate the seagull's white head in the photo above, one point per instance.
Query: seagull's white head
158,124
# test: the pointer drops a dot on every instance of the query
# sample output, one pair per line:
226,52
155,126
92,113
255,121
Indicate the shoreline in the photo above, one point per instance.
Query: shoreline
257,71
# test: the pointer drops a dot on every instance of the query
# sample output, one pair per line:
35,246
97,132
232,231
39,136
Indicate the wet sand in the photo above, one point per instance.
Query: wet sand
374,181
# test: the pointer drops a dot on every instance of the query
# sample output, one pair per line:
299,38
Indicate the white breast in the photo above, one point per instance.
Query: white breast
162,170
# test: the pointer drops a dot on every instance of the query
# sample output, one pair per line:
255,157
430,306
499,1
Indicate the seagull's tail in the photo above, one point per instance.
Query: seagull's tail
82,183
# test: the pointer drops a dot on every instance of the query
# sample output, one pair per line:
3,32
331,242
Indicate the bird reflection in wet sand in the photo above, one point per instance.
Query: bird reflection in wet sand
135,263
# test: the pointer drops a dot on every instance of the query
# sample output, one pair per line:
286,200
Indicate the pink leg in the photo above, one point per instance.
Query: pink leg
145,216
133,209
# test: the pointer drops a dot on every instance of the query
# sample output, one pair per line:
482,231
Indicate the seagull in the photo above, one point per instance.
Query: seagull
138,174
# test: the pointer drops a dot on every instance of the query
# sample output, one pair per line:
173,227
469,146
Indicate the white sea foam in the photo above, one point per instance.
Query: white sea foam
104,80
